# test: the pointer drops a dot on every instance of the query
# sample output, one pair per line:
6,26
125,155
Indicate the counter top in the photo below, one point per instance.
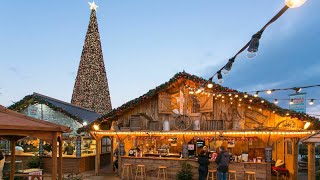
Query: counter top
179,159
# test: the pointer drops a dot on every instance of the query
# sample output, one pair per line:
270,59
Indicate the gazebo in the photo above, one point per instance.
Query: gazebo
311,141
14,126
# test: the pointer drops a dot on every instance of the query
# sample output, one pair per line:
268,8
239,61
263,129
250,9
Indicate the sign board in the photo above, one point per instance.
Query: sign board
78,146
32,111
268,154
298,102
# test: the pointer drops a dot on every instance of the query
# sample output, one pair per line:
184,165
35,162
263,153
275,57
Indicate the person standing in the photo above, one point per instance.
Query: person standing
222,161
203,161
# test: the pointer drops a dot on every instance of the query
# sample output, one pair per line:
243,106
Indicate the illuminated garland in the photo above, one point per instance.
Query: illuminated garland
256,101
33,99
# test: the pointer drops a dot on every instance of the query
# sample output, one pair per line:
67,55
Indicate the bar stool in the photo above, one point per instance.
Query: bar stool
250,175
141,172
162,171
234,173
126,171
212,174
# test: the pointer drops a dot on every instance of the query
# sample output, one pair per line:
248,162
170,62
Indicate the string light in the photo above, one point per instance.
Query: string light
262,101
291,101
269,91
254,45
227,68
311,102
276,101
210,83
245,95
220,80
256,94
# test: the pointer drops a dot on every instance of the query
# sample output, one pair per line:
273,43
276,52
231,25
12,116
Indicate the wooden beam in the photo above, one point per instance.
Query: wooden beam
54,156
311,161
295,151
13,158
60,158
97,159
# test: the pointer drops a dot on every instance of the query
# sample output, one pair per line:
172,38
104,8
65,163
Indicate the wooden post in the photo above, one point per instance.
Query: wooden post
97,159
295,151
60,158
13,158
54,156
311,161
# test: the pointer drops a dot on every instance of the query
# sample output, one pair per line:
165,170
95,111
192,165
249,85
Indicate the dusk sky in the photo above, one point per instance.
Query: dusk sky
146,42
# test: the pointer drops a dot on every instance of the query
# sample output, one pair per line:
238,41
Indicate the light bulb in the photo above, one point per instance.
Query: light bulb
96,127
220,80
269,92
306,125
254,46
251,55
224,71
262,101
311,102
256,94
84,123
198,91
210,85
291,102
276,101
294,3
245,95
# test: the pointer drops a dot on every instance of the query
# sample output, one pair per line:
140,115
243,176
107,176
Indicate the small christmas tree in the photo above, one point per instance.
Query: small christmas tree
91,88
185,173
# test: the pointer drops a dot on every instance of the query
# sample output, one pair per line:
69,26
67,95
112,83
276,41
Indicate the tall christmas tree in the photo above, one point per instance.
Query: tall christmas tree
91,88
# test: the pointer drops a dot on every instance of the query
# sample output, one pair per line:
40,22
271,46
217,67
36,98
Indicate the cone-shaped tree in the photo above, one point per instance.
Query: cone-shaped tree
91,88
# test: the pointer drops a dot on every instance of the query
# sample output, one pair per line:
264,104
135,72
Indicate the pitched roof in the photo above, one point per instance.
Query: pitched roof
75,112
11,120
313,138
217,88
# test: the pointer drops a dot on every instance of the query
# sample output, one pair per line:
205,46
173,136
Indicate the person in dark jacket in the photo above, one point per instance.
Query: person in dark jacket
203,161
222,161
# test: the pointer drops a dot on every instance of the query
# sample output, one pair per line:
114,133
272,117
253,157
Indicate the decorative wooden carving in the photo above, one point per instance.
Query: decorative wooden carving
206,103
287,124
164,103
256,119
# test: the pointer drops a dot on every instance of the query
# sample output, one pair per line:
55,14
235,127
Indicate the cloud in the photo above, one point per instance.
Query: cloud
13,69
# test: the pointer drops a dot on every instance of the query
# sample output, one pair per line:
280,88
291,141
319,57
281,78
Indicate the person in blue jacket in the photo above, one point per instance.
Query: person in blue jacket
222,161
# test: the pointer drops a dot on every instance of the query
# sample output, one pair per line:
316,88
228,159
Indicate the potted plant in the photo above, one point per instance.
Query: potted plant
185,172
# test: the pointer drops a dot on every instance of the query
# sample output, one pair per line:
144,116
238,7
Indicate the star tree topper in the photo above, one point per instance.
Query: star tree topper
93,6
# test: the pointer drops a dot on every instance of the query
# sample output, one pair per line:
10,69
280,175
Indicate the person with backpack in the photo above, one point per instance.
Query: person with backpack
203,161
222,161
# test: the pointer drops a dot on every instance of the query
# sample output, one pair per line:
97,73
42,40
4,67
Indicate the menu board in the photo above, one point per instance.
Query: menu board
268,154
78,146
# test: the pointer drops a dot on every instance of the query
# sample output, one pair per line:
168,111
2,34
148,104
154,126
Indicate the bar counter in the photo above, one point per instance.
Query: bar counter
263,169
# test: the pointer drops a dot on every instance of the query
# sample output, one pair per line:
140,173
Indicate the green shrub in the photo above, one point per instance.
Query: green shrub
185,172
34,162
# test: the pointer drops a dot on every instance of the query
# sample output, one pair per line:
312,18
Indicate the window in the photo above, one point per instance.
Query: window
105,145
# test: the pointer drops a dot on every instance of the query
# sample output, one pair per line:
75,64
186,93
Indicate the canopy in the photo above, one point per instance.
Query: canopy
14,126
